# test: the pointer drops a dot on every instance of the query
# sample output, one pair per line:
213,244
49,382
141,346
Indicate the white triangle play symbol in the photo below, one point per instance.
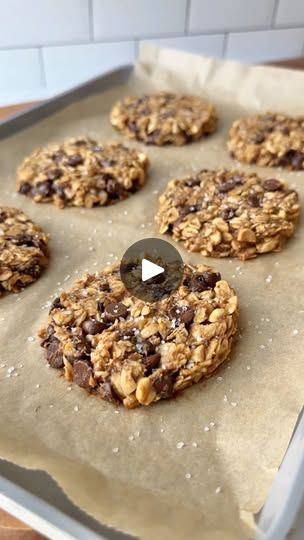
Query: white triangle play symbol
150,270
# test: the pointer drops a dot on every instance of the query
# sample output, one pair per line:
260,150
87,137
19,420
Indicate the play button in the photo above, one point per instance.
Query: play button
151,269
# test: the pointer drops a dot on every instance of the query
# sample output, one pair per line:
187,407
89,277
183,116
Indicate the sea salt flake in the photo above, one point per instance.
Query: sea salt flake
188,476
115,450
76,408
180,445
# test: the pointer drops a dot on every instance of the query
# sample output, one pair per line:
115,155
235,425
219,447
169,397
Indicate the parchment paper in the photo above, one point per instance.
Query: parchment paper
142,489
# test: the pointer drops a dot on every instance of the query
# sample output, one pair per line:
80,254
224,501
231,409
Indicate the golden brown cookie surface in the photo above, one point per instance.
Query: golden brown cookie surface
126,350
269,139
164,118
82,172
23,250
222,213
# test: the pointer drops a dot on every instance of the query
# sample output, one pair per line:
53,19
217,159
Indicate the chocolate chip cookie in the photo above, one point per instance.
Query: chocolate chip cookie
164,118
23,250
269,139
126,350
222,213
82,172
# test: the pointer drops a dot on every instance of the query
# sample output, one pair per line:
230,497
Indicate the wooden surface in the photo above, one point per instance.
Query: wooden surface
11,528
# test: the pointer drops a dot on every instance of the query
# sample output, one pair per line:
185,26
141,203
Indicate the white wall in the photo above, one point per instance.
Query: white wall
46,46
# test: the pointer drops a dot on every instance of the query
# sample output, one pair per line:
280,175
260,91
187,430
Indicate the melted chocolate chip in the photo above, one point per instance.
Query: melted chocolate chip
82,373
200,282
254,200
56,304
82,348
259,138
54,174
192,181
224,187
228,213
54,355
58,156
93,327
163,385
75,160
44,188
182,314
25,188
145,347
115,311
152,361
272,184
108,392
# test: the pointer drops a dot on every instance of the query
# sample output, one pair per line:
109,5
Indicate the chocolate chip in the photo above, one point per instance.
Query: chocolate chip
59,191
56,304
82,348
58,156
82,373
75,160
32,269
182,314
24,240
254,200
127,333
108,392
25,188
132,127
259,138
80,142
192,181
145,347
163,385
93,327
272,184
224,187
297,160
54,174
115,311
203,281
152,361
48,336
113,188
44,188
228,213
54,355
282,129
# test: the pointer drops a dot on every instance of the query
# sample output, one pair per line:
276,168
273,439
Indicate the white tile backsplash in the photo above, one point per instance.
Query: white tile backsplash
265,45
47,46
137,18
290,12
70,65
16,79
211,45
39,22
206,15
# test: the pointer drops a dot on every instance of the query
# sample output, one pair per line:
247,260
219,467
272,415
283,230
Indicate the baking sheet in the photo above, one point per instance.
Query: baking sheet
253,401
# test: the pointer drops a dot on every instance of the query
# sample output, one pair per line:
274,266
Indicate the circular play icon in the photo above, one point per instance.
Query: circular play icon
151,269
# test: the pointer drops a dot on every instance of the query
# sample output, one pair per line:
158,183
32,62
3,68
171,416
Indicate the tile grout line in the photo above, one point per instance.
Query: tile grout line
187,17
91,21
42,68
225,42
274,13
146,38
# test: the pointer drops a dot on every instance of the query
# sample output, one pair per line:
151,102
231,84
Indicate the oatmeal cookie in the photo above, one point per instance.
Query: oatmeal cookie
269,139
126,350
23,250
164,118
82,172
222,213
